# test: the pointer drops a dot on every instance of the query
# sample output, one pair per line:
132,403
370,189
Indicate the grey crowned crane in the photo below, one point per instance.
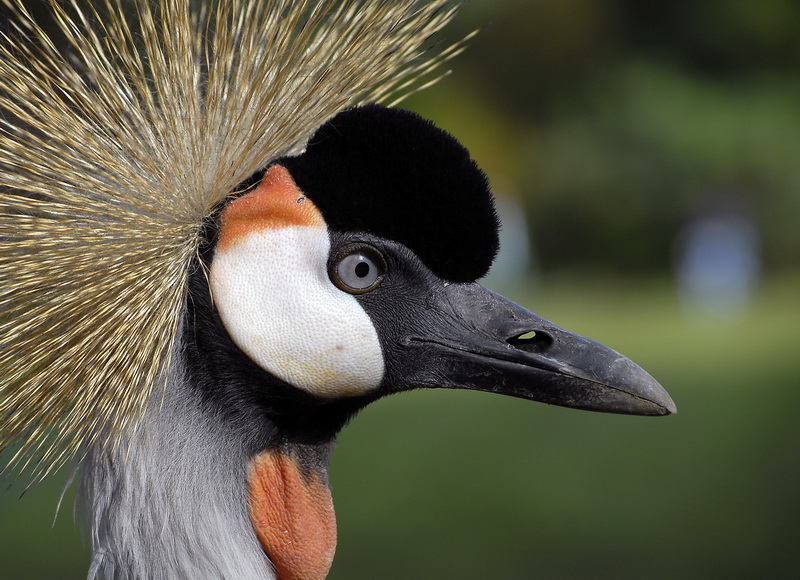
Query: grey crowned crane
214,254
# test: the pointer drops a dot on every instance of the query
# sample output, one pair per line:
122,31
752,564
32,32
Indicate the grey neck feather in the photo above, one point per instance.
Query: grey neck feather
170,501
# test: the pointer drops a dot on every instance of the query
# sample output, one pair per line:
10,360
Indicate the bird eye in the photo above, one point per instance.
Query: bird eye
358,269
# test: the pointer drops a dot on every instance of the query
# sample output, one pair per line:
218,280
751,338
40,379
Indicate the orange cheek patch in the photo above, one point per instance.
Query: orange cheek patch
293,517
277,202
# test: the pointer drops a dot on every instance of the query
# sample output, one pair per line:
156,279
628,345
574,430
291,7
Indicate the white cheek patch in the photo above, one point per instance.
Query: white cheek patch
273,293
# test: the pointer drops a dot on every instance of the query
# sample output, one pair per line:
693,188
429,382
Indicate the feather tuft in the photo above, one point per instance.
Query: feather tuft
115,150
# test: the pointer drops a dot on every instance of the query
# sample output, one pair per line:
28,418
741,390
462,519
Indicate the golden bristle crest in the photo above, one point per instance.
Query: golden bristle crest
115,151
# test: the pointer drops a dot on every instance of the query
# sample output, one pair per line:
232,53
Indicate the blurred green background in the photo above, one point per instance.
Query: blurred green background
647,155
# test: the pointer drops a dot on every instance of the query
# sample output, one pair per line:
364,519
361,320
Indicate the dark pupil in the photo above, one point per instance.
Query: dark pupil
362,269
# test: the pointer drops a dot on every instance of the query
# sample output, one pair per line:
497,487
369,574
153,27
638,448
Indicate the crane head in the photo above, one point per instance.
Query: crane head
348,273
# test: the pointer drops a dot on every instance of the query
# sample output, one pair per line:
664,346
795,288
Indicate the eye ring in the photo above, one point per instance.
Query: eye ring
357,269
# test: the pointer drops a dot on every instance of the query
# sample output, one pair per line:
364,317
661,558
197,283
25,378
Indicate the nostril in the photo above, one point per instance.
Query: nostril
531,341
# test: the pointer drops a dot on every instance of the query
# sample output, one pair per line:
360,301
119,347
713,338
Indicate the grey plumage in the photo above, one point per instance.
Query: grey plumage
169,501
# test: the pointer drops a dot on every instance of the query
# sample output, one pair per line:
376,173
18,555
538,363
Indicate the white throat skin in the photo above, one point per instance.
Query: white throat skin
171,501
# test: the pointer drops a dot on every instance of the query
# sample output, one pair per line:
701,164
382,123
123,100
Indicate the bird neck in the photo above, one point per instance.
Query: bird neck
171,499
174,497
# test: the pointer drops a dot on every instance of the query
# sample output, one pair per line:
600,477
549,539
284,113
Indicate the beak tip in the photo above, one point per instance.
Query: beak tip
653,399
670,408
658,399
629,389
655,396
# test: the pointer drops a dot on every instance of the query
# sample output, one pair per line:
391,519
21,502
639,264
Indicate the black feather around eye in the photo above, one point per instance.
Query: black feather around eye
392,173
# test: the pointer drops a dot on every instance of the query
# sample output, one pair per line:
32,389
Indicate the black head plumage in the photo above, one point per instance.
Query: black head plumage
392,173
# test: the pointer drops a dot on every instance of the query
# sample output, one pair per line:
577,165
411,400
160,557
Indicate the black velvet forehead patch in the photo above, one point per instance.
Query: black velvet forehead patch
393,174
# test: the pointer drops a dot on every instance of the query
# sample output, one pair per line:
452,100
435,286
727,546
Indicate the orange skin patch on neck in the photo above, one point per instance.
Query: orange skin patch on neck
277,202
293,517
